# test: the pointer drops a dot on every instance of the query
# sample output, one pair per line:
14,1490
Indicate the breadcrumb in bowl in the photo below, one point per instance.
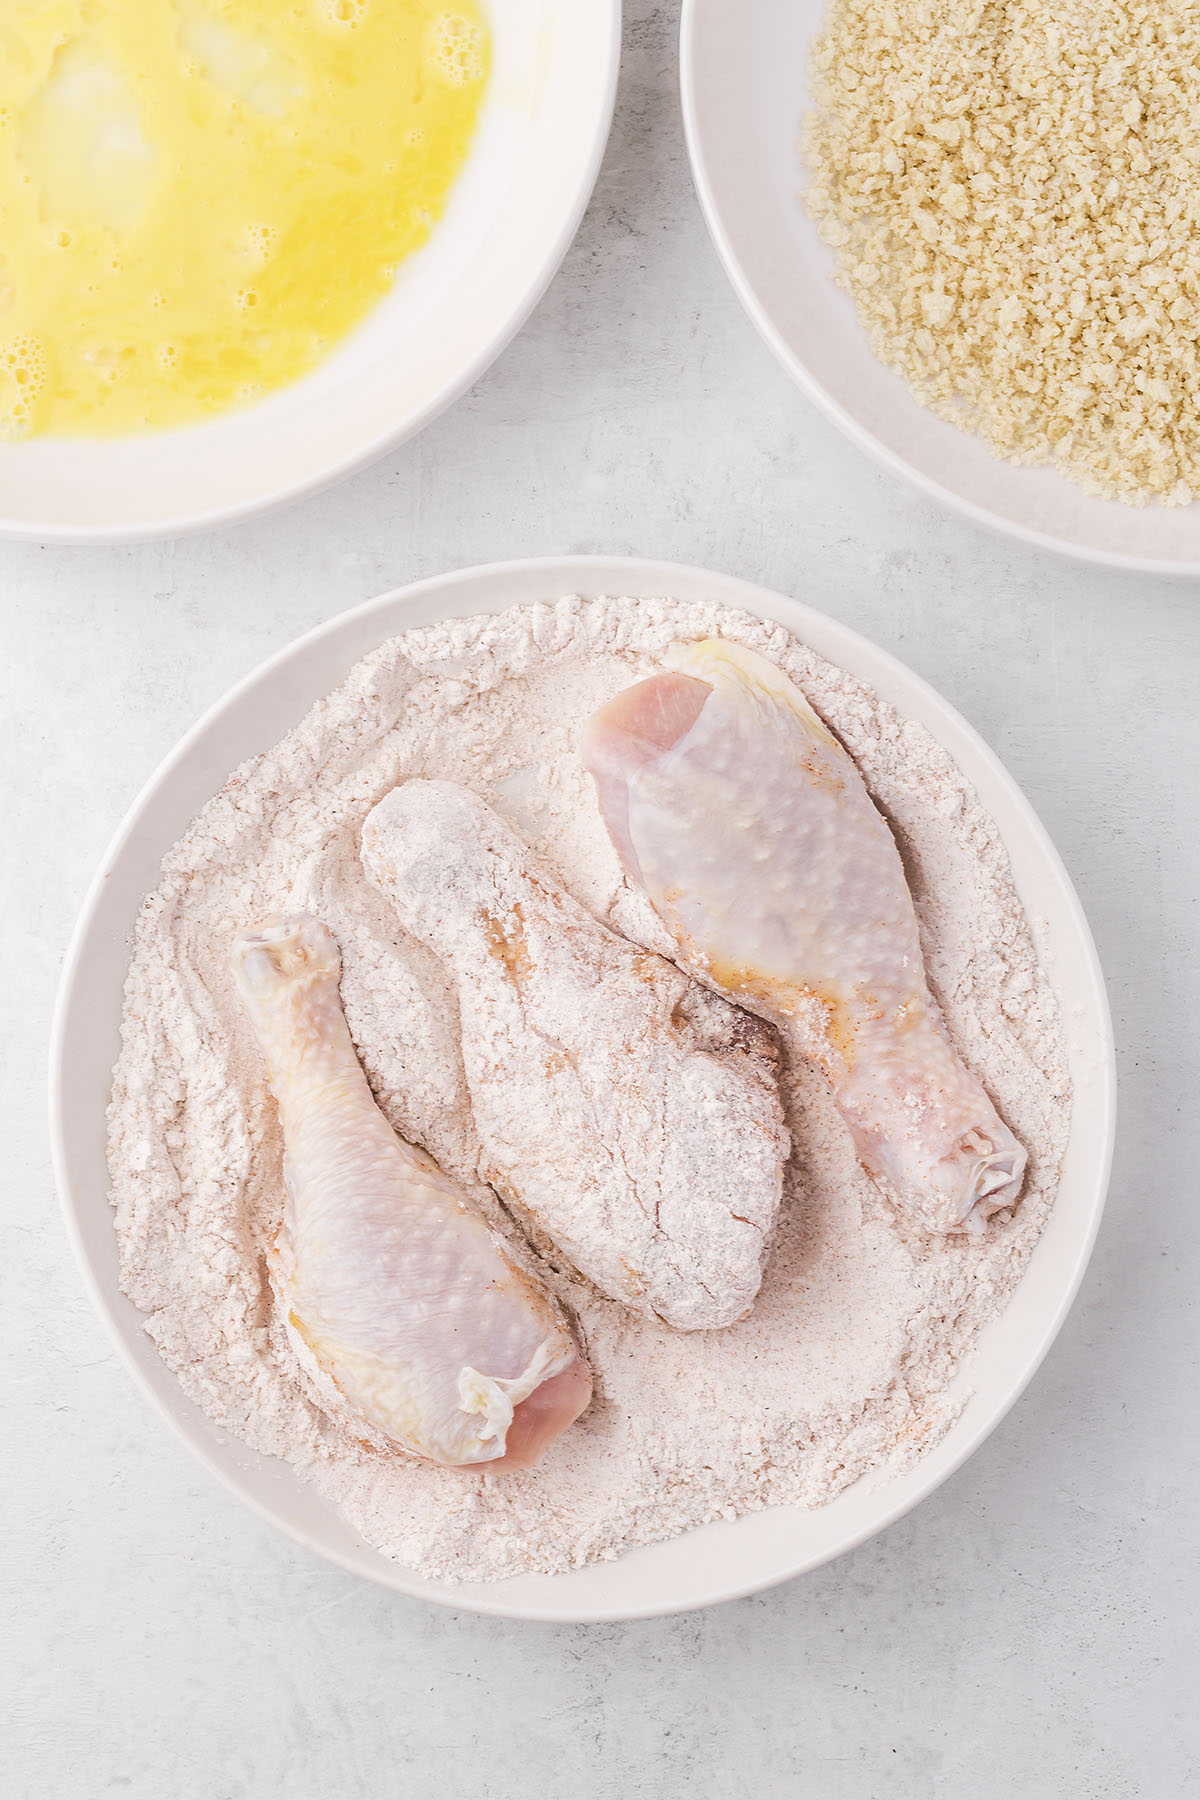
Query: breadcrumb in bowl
1011,190
993,321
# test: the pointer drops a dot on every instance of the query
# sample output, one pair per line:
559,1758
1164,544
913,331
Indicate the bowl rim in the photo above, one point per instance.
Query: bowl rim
643,578
451,390
805,379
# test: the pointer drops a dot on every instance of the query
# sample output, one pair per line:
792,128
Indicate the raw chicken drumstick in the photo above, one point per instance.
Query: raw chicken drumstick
400,1300
629,1113
749,828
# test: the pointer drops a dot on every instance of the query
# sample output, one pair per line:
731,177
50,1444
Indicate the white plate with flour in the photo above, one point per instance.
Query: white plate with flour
713,1562
744,72
454,306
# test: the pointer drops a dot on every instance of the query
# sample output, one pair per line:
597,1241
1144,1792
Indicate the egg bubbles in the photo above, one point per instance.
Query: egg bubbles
200,201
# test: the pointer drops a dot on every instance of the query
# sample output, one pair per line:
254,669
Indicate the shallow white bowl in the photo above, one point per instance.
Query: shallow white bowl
453,308
744,72
716,1562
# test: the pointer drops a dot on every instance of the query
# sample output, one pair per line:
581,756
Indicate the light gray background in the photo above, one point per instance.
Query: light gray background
1030,1630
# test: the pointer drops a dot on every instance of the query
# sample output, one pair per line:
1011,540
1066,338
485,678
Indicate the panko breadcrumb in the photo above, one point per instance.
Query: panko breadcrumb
1012,189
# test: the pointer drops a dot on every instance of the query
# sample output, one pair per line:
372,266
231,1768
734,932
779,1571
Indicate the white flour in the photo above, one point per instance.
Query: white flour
863,1319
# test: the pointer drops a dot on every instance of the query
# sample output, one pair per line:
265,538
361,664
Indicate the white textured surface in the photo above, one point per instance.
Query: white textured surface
1030,1630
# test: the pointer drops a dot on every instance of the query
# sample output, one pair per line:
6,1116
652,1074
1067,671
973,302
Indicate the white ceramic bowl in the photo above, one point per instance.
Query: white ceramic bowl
744,71
716,1562
455,305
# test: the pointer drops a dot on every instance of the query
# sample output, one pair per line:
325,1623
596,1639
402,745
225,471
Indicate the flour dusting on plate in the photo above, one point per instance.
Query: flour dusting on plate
847,1364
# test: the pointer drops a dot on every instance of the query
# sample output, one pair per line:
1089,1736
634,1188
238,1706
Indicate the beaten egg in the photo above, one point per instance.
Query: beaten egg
197,201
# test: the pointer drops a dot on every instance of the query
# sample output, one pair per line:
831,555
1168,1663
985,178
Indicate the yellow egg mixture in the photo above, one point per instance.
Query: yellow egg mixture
198,201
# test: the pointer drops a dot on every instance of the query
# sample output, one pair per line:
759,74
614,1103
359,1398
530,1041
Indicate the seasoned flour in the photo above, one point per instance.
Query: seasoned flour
863,1319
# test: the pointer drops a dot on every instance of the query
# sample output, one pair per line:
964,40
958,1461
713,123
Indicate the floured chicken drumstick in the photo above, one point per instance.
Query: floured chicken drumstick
400,1300
631,1115
750,829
